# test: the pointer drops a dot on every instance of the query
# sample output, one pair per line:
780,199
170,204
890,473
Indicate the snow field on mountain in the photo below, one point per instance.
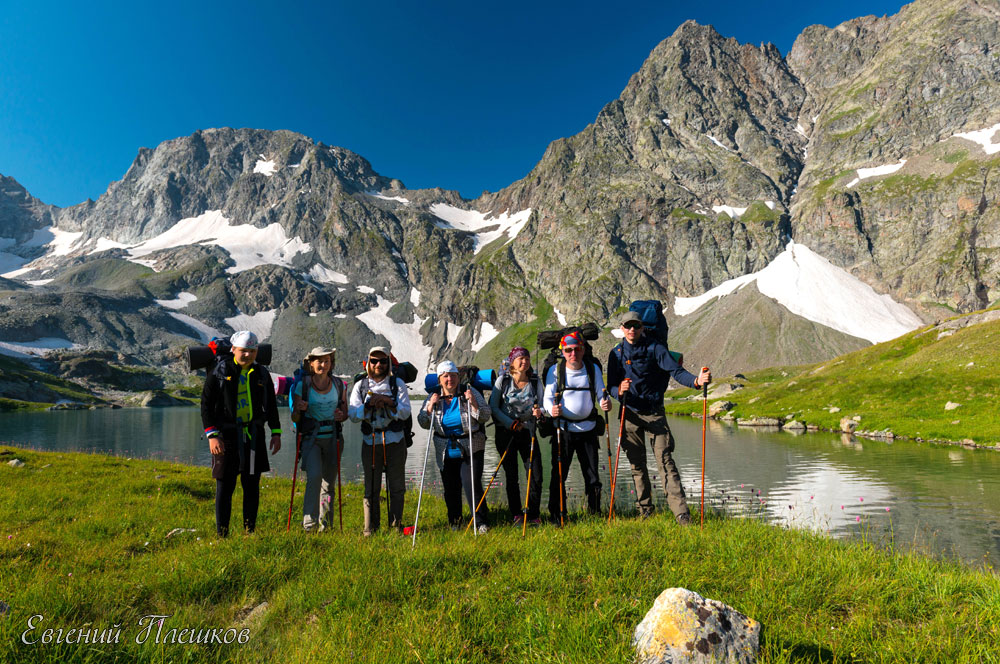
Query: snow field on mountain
259,323
984,137
486,334
325,275
865,173
810,286
181,301
265,166
404,338
473,222
37,348
248,245
205,332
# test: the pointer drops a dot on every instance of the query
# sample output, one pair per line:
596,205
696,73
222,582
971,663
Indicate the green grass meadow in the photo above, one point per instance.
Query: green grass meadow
83,542
901,385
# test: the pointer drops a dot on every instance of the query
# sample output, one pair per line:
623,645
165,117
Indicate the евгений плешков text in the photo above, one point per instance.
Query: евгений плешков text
152,628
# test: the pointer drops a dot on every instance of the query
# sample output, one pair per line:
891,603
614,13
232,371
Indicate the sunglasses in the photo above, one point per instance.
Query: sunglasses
572,349
378,360
632,326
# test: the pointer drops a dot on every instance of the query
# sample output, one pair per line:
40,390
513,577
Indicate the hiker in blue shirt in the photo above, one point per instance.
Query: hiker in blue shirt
320,415
639,370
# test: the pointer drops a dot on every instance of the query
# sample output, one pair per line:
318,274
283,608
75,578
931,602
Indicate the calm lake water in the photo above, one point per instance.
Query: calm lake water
941,499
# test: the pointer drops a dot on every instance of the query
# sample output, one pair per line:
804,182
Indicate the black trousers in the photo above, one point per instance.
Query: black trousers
224,489
455,477
585,445
520,444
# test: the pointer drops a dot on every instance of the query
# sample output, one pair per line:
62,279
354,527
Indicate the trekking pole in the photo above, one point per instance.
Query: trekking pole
385,469
493,477
527,493
295,472
472,469
562,485
704,419
340,498
607,434
618,453
423,471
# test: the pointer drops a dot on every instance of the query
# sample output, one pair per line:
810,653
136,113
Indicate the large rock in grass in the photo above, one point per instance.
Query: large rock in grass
684,627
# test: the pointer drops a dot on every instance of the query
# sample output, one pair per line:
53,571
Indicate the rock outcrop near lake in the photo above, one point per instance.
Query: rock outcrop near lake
870,144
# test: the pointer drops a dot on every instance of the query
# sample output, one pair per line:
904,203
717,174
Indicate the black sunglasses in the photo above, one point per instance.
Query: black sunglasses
632,326
378,360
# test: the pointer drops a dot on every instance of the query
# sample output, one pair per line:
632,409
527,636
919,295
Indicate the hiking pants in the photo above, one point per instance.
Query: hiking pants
320,466
634,444
390,460
520,443
585,445
224,501
454,478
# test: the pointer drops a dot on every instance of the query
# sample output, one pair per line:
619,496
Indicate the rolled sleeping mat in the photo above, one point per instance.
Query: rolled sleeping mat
551,338
282,384
202,357
481,379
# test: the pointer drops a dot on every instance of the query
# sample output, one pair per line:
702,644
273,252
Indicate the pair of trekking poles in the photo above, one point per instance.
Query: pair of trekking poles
621,427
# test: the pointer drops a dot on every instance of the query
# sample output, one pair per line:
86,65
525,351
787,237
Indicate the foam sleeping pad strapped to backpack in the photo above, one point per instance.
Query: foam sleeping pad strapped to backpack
551,338
202,357
481,379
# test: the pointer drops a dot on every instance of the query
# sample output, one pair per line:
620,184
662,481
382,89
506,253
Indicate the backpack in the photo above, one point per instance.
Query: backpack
407,373
203,357
655,324
547,426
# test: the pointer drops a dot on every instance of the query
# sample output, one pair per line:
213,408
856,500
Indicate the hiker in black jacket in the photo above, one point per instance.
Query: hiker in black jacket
639,369
237,399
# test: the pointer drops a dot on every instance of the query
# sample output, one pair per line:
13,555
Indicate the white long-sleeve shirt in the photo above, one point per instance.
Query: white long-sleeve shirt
576,404
379,418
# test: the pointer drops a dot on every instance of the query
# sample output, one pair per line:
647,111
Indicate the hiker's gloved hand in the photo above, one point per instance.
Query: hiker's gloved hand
215,445
605,404
275,443
705,377
625,384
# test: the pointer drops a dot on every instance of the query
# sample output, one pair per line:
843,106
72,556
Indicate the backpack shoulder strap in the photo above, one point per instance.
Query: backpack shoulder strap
591,371
560,379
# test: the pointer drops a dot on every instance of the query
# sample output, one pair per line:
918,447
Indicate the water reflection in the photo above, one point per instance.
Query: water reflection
939,498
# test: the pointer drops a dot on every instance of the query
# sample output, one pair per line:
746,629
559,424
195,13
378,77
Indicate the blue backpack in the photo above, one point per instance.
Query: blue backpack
651,314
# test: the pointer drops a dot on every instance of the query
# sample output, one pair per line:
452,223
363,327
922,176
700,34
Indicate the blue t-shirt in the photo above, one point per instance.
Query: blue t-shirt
451,418
321,406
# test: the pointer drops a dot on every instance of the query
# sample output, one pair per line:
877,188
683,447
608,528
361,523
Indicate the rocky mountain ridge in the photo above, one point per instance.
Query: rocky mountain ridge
713,158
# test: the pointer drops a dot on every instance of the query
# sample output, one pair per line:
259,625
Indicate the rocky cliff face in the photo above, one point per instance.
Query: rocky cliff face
714,156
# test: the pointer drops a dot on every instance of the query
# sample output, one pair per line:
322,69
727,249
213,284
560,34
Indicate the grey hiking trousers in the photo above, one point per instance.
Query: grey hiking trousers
320,465
634,444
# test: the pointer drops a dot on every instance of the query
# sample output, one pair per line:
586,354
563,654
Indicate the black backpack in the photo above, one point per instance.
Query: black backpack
555,358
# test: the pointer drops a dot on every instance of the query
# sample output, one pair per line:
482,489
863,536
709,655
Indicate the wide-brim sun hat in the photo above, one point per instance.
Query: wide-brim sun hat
320,351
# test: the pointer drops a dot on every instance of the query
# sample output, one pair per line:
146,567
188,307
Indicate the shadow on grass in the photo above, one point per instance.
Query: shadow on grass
800,652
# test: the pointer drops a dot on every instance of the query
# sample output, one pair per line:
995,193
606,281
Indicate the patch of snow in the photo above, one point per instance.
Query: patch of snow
264,166
865,173
800,129
36,348
205,333
734,212
984,137
62,241
415,298
853,182
104,244
325,275
39,282
367,290
486,334
260,323
810,286
617,333
313,314
404,338
452,331
181,301
769,204
560,317
247,245
398,199
815,118
11,265
474,222
666,121
339,315
717,142
294,165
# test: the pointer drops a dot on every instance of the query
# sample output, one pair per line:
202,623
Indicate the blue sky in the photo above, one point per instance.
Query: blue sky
459,95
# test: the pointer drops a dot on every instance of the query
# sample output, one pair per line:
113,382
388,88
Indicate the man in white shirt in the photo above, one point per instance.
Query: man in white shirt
381,403
573,388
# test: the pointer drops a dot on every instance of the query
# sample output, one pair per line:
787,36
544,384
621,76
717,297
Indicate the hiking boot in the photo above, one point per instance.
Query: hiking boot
482,529
684,519
519,519
454,527
646,514
535,523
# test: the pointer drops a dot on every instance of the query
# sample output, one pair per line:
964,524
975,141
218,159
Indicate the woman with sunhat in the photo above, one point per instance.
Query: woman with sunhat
515,403
236,400
319,401
452,415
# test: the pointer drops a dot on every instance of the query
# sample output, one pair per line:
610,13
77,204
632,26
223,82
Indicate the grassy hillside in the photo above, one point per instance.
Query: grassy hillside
98,552
24,387
902,385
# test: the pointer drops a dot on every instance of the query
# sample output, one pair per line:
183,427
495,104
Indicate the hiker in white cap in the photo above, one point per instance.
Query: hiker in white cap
381,402
236,401
453,413
320,404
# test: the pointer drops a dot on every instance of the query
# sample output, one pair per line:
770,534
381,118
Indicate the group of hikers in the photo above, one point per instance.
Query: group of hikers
569,405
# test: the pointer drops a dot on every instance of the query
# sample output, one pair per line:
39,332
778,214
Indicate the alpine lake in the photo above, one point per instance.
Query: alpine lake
939,499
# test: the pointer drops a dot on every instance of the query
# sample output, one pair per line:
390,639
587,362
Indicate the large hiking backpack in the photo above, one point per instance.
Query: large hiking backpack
655,323
301,423
408,373
204,357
